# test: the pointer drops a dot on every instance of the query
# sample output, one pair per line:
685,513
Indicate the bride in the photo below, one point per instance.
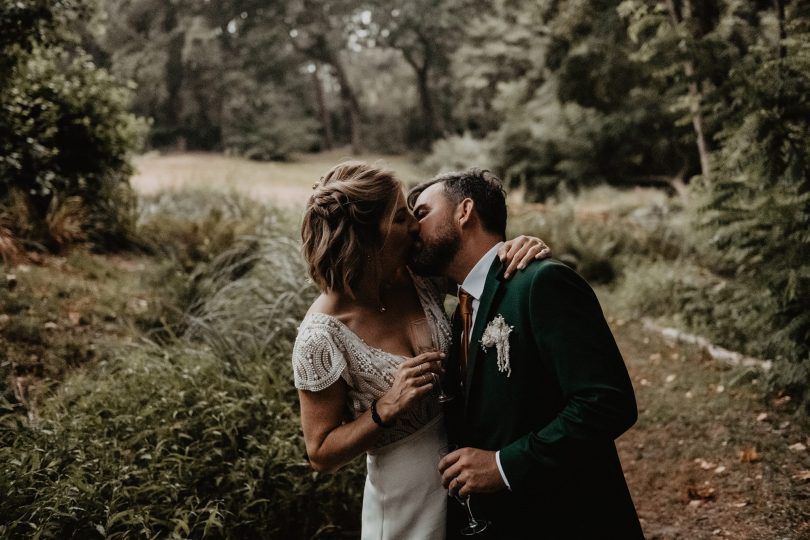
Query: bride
365,378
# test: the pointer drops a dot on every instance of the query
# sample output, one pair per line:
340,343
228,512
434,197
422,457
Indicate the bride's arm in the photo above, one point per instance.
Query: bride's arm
332,440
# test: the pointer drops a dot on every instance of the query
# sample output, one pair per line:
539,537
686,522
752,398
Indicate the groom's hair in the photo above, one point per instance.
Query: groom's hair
484,188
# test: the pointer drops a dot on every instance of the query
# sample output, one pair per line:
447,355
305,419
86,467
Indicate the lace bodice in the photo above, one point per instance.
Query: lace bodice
326,350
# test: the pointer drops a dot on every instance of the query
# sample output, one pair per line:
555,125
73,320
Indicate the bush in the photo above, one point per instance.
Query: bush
67,135
457,153
604,231
754,212
264,123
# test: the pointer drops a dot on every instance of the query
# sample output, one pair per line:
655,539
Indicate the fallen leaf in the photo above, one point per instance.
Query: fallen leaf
50,325
761,417
720,469
798,447
802,476
670,378
704,493
749,455
739,504
781,402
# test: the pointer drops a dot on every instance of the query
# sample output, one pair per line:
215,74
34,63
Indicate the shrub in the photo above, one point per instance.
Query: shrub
754,212
66,131
458,152
603,231
264,123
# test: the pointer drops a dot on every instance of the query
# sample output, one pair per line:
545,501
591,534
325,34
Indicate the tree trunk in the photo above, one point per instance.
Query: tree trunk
174,67
695,94
422,70
351,104
326,120
779,5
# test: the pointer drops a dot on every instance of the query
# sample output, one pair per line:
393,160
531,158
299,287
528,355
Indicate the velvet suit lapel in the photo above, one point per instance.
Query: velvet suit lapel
482,318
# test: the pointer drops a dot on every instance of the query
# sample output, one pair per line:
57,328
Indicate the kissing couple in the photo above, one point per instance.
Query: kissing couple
511,405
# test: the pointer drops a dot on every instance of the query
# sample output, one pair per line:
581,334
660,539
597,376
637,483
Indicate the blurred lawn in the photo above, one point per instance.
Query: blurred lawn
285,184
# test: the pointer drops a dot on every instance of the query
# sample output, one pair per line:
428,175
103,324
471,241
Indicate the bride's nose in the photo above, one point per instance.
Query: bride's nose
413,225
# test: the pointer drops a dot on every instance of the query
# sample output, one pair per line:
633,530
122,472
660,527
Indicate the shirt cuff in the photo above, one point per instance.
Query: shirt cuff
500,469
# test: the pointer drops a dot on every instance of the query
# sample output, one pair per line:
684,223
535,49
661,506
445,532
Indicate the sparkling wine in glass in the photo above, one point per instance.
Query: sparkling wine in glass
474,526
423,342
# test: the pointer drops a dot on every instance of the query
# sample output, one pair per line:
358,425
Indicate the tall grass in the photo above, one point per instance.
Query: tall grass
198,436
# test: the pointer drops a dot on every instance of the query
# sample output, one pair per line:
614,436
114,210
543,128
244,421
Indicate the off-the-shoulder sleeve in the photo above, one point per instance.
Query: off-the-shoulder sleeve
317,359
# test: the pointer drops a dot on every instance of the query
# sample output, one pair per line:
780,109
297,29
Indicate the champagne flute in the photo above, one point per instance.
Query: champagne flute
474,526
422,342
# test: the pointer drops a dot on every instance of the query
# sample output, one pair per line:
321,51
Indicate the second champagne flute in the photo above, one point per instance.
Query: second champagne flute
422,342
474,526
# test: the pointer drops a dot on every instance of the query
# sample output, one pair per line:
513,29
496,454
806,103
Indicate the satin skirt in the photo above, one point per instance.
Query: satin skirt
403,496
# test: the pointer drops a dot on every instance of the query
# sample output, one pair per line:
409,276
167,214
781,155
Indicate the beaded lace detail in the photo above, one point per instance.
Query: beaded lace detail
326,350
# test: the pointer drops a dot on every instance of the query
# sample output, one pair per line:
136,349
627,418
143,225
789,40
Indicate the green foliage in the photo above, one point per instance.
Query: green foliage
167,443
458,153
556,90
605,233
66,136
755,216
260,122
199,437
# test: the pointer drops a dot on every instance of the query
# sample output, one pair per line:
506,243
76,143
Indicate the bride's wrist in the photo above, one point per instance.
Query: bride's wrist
384,413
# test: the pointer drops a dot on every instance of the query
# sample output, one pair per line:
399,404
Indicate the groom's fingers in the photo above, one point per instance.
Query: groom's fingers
448,461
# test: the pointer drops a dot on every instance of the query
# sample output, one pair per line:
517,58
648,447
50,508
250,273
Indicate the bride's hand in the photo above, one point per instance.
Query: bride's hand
413,380
520,251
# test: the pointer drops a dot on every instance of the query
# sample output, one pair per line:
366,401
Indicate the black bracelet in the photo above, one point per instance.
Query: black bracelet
376,417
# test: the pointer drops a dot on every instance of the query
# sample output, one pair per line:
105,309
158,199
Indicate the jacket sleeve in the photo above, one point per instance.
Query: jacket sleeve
598,401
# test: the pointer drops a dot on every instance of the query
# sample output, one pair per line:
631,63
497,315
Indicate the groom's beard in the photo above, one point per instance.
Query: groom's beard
432,258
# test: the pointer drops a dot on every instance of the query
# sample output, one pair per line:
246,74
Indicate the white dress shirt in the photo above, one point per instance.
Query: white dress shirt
474,285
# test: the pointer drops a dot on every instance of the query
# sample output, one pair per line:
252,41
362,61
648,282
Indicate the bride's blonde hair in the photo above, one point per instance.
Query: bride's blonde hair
341,229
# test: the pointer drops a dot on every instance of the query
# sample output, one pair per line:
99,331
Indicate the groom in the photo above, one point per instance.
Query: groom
542,390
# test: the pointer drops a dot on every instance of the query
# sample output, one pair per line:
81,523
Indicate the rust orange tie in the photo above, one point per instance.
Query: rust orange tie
465,306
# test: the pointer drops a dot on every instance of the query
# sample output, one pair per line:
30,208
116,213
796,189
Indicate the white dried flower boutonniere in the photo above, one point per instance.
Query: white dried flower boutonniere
497,333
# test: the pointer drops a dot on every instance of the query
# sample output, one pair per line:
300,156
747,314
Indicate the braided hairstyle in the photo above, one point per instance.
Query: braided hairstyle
341,228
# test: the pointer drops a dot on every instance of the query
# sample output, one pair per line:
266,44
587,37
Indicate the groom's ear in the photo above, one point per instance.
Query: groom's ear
464,212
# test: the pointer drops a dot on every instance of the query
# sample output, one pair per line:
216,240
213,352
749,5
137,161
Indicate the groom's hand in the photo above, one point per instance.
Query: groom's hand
470,470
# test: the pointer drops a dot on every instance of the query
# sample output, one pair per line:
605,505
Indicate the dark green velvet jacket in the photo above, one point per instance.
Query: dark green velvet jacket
554,419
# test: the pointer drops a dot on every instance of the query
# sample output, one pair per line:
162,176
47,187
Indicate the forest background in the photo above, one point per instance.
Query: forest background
660,147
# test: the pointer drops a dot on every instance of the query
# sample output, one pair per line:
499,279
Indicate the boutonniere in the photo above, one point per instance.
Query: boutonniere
497,333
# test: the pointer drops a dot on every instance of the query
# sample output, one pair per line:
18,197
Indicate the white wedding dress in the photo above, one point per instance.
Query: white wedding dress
403,496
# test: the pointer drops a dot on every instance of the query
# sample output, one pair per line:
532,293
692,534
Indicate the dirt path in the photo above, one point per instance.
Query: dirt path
709,457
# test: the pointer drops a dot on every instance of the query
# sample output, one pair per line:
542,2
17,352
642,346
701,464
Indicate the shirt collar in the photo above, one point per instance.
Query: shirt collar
477,278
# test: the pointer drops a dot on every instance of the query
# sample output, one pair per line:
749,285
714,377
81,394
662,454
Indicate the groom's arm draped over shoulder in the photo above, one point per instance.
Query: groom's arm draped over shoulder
570,330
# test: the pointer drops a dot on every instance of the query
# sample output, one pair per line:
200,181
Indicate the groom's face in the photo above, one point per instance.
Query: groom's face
439,237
